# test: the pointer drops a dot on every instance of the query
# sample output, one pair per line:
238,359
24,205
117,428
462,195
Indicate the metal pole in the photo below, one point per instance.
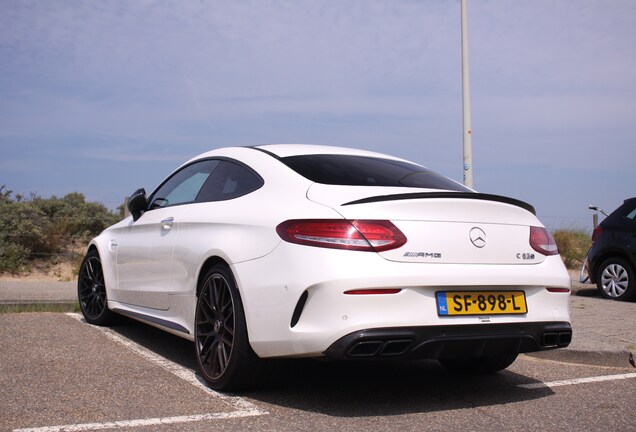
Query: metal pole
468,145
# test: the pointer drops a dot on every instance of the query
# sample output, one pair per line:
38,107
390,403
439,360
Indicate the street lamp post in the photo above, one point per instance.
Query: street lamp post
468,145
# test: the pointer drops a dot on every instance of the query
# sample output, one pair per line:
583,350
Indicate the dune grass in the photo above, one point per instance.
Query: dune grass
573,246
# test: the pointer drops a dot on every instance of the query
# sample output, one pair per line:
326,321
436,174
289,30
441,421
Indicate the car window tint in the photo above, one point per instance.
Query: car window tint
228,181
631,215
183,186
368,171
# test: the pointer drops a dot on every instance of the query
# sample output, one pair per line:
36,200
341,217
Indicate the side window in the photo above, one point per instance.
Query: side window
184,186
631,215
228,181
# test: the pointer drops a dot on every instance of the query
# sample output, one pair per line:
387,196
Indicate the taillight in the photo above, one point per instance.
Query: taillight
542,241
358,235
597,232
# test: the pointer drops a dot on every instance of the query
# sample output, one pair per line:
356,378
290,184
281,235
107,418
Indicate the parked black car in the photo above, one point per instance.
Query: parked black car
612,259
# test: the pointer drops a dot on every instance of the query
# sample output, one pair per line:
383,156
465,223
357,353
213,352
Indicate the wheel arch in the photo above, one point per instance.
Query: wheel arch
207,265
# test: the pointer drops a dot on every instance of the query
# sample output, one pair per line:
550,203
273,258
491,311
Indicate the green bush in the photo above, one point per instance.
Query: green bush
573,246
45,229
13,257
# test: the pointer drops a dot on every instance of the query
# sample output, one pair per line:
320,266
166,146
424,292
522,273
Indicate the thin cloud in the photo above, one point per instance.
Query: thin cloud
145,82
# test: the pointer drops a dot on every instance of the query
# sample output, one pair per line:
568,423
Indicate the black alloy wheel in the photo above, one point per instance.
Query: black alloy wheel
215,326
224,355
91,290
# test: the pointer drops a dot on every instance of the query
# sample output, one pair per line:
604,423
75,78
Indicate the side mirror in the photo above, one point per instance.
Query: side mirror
137,203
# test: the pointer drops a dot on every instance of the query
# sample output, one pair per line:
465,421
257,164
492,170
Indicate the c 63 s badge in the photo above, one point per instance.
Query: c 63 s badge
525,256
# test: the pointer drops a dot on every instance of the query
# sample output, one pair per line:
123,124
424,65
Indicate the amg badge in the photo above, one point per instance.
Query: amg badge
422,254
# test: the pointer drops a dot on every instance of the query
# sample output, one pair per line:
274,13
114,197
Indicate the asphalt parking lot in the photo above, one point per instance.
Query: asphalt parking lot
58,373
61,374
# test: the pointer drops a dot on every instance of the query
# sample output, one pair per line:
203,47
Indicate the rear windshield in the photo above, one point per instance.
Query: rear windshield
350,170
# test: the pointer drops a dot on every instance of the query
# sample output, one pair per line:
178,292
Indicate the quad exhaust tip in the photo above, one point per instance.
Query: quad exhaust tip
373,348
398,347
556,339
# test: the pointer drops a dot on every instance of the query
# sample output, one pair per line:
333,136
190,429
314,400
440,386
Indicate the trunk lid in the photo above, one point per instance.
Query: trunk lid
441,227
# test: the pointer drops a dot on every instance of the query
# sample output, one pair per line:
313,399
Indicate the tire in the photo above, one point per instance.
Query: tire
615,279
225,358
479,365
91,291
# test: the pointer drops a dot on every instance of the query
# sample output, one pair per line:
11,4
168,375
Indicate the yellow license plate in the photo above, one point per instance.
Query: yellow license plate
451,303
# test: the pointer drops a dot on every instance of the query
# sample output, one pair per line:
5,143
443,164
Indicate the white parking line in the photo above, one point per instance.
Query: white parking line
242,407
577,381
139,422
175,369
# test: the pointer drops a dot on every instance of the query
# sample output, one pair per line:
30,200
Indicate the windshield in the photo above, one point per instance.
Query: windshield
350,170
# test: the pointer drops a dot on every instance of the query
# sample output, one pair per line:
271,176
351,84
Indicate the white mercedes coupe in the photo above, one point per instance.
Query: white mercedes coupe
283,251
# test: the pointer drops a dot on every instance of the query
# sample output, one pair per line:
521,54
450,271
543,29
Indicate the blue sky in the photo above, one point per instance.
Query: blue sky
103,97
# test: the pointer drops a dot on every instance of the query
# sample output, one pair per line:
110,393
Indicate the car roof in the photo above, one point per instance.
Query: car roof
285,150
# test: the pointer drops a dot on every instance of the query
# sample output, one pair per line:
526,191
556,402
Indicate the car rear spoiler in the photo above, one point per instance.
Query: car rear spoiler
455,195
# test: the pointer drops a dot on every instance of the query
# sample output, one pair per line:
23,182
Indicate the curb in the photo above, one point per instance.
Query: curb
18,306
36,302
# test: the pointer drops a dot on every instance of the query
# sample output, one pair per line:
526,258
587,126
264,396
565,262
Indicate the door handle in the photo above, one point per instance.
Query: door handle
167,223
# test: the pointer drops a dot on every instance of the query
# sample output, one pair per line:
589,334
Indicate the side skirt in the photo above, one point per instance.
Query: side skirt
154,321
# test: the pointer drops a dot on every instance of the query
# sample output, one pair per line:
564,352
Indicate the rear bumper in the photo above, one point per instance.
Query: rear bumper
296,306
456,341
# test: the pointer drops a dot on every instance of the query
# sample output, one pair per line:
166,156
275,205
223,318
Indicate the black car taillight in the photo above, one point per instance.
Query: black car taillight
597,232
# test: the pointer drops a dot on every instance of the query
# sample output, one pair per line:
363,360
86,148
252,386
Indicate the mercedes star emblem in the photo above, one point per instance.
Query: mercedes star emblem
477,237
